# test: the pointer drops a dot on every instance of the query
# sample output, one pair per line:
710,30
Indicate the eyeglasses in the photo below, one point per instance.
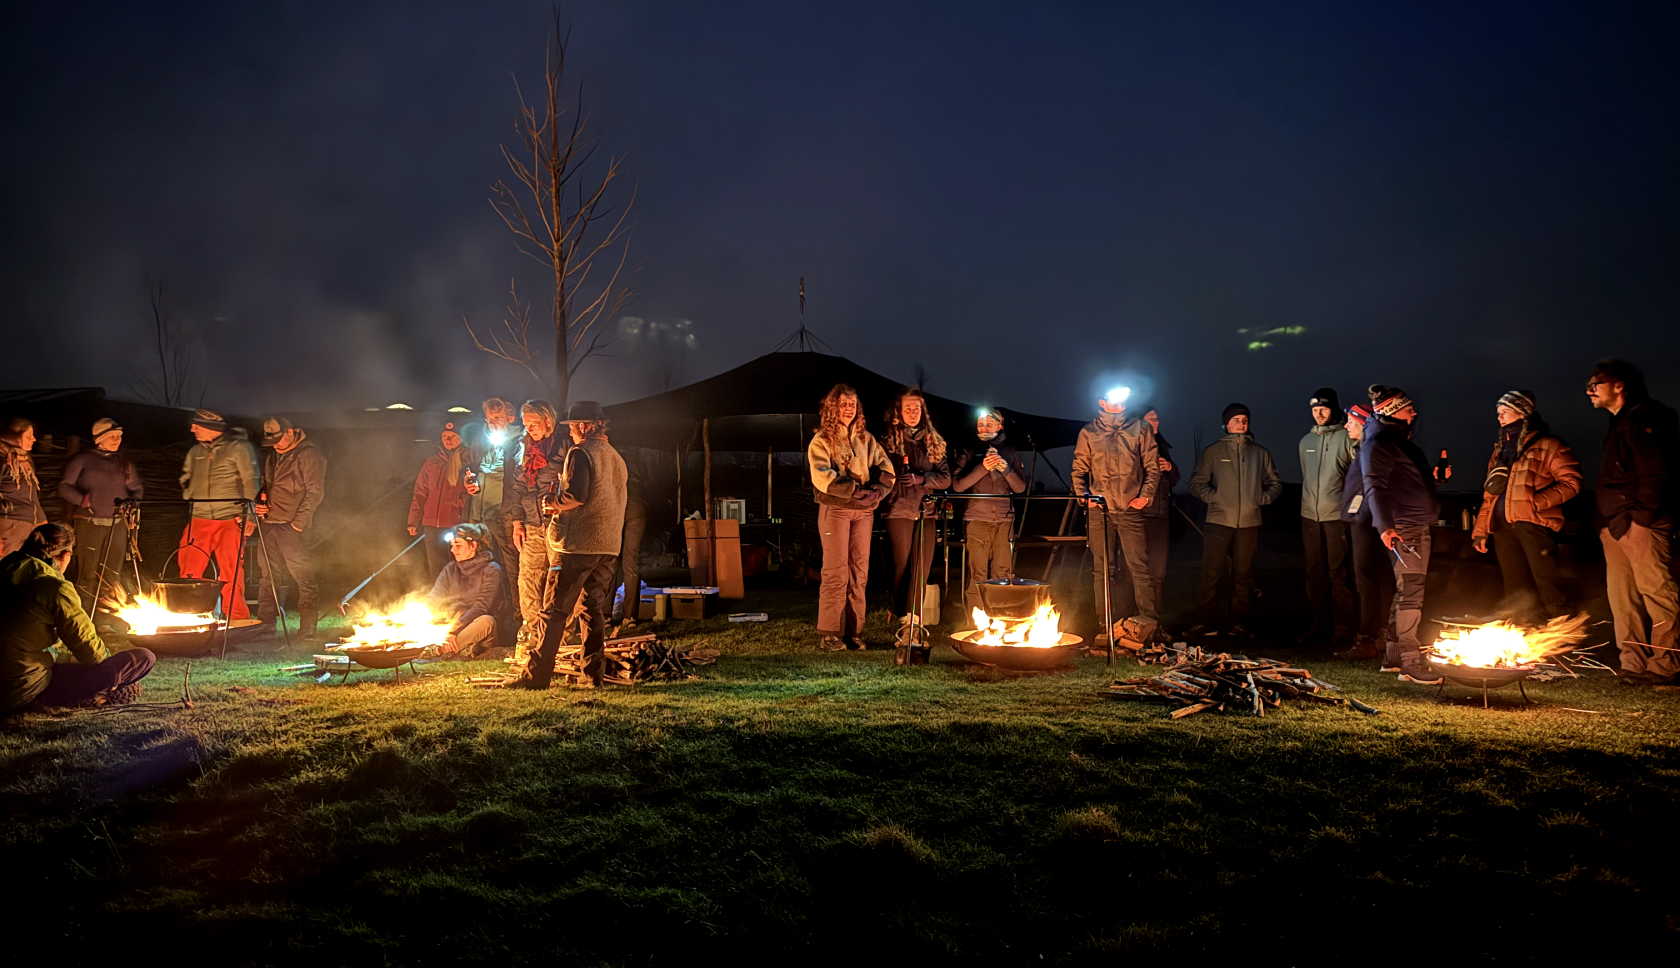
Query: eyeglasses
1593,387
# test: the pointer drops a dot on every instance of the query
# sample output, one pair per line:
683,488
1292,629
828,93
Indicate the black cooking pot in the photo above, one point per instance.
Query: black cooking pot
1012,598
189,596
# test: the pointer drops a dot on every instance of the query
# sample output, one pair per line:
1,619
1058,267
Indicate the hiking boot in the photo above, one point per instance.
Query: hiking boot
831,643
1364,647
858,643
309,621
1415,668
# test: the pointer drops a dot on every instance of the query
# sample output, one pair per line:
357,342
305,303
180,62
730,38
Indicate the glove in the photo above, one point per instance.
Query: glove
866,497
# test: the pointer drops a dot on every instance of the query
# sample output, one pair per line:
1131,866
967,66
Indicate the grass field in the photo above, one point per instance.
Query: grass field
823,808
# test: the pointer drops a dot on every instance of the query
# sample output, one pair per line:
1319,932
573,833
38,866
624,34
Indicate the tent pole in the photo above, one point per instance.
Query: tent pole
711,524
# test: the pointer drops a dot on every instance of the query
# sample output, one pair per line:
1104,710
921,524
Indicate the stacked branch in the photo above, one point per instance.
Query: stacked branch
1230,683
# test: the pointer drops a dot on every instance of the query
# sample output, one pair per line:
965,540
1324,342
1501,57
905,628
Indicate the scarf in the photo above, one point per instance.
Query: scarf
532,460
18,468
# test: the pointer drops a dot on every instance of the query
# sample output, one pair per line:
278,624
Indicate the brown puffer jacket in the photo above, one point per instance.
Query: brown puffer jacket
1544,476
295,481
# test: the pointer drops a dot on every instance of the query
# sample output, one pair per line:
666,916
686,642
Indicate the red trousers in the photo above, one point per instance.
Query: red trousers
205,539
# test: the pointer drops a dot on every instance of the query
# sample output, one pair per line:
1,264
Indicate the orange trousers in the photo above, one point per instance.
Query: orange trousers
204,540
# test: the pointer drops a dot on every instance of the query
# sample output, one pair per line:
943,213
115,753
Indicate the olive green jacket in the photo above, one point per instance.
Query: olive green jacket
38,610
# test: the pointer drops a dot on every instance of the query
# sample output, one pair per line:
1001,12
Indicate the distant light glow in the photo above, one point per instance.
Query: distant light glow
1117,395
459,410
398,406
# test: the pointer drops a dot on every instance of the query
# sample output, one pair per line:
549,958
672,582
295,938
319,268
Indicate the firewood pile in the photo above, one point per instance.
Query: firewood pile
1222,682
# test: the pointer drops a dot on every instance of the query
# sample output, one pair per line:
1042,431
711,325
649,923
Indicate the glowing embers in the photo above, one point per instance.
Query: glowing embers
1502,645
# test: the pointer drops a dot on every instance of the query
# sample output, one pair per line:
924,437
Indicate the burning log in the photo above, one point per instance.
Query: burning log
1197,682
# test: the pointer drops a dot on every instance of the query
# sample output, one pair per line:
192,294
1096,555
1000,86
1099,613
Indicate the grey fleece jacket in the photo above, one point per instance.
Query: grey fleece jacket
1235,478
1325,454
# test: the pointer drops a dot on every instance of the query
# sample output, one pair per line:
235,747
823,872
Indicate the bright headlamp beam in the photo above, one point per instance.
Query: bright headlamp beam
1117,395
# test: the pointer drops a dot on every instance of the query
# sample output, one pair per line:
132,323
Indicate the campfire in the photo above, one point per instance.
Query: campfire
146,615
171,631
1040,630
1502,645
1018,628
412,624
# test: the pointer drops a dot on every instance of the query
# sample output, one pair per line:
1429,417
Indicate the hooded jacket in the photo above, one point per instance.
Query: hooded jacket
94,480
1354,510
838,471
905,498
1325,454
1399,485
468,589
1235,477
295,481
1544,476
522,496
438,503
1116,458
1162,501
38,610
974,478
20,489
223,470
1635,475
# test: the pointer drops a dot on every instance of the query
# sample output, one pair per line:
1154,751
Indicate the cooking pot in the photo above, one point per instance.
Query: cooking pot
187,596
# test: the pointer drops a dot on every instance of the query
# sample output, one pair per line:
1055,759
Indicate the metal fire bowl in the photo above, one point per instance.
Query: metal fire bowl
1480,678
187,596
382,658
1016,656
188,644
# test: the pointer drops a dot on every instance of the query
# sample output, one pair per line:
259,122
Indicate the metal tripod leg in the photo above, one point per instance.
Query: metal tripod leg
273,589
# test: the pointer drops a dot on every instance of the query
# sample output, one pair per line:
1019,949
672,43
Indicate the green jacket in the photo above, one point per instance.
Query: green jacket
1234,478
38,610
1325,454
224,468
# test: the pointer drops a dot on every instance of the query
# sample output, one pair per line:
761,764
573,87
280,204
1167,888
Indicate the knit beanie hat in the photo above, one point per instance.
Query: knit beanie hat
1326,397
448,428
209,420
1234,410
1359,412
1519,400
1389,400
103,426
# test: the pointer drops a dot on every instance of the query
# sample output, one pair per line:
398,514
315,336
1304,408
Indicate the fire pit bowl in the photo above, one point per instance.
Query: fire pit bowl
370,657
1484,679
190,643
188,596
1017,656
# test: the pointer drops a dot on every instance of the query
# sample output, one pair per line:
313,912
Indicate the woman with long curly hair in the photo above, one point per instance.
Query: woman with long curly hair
20,489
849,475
917,453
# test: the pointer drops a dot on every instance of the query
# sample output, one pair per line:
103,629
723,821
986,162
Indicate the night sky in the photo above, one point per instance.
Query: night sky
1027,200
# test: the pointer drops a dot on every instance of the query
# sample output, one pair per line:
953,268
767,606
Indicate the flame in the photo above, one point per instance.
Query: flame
412,624
146,615
1040,631
1503,645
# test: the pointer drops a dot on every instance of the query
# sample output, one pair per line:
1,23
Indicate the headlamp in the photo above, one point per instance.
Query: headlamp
449,537
496,437
1117,396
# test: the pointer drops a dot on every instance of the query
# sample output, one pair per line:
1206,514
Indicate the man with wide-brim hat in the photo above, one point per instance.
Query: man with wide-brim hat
220,477
293,483
587,533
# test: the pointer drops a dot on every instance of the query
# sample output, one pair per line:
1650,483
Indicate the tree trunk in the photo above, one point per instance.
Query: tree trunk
562,361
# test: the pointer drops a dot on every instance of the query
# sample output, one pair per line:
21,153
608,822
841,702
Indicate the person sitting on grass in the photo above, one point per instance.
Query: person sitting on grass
471,591
39,608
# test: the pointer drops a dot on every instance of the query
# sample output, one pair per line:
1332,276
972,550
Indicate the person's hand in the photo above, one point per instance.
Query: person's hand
1480,544
262,510
250,527
995,464
917,479
1138,503
519,536
1390,538
413,531
548,506
1164,464
472,487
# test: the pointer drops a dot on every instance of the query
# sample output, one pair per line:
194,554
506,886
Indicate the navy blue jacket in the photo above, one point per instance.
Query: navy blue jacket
1399,488
472,588
1353,485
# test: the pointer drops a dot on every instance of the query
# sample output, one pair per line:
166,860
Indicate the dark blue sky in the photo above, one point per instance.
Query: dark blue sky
1458,198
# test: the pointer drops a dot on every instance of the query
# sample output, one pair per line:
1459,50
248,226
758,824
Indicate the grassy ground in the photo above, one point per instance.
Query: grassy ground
818,807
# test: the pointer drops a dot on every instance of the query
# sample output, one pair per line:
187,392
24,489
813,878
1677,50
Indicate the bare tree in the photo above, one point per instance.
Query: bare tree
552,212
173,377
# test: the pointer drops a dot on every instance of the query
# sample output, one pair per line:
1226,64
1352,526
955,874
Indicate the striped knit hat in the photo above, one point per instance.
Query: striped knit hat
209,420
1389,400
1519,400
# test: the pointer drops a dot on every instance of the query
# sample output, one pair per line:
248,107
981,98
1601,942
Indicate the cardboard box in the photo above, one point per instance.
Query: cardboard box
728,578
690,606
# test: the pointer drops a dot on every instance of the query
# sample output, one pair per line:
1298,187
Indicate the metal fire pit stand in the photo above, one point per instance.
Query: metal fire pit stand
1483,679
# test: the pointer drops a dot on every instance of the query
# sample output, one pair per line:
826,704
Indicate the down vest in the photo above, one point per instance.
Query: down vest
1544,476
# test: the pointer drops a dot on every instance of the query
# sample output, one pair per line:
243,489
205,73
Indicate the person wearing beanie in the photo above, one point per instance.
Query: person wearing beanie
220,477
1115,459
293,483
94,481
990,465
470,590
20,489
1530,475
1325,452
1400,494
440,496
1635,521
1373,572
1234,477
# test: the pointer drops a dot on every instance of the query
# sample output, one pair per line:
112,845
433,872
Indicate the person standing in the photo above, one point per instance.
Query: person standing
850,473
993,467
20,489
918,455
1400,491
94,481
220,476
1325,452
1373,573
1235,477
487,488
630,553
536,471
294,481
1635,520
1156,522
1531,473
585,533
40,609
1115,459
440,496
